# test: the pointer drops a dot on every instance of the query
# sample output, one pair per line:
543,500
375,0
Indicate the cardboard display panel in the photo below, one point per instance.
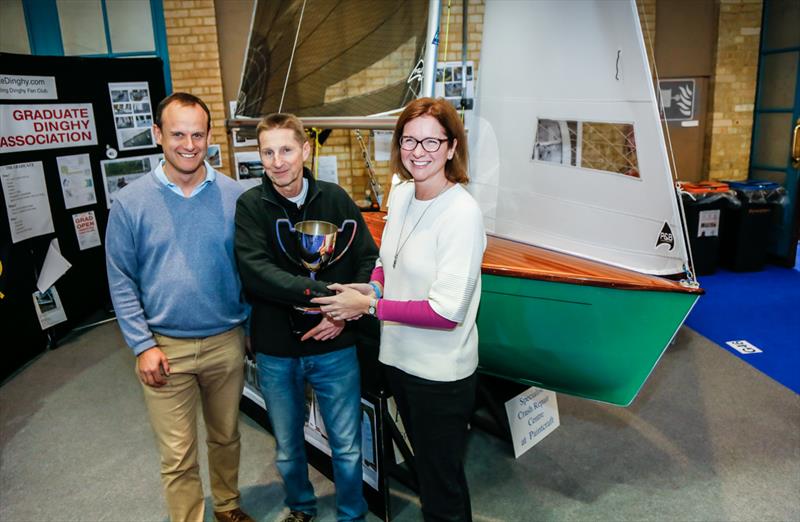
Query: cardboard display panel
59,118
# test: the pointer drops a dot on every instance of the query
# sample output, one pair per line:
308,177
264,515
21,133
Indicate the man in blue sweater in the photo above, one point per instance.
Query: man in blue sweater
177,295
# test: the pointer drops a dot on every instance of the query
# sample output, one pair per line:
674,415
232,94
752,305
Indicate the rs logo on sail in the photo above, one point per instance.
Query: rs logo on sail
665,237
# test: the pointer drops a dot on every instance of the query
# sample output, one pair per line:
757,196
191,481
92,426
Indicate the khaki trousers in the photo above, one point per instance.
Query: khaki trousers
211,371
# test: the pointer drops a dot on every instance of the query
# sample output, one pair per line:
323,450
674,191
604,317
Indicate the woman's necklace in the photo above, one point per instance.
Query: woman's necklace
400,244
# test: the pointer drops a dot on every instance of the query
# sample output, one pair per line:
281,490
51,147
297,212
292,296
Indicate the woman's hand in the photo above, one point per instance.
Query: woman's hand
347,304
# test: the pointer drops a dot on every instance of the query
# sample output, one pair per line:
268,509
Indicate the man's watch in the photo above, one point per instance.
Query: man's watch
373,307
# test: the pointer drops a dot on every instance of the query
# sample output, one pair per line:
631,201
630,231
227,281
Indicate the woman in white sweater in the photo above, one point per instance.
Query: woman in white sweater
425,290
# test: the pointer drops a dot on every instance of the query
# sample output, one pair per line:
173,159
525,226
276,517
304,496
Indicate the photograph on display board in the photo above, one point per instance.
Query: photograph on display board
133,115
244,137
249,170
118,173
214,156
450,83
49,309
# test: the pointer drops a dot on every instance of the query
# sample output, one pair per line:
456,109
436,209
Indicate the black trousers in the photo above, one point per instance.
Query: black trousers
435,415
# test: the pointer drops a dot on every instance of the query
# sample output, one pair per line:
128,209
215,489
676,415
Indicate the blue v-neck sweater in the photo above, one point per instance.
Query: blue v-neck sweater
170,260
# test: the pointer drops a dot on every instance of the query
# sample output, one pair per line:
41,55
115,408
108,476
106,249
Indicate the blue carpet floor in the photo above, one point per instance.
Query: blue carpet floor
762,308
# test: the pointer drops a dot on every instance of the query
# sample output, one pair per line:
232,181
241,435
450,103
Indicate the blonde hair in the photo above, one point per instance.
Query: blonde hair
279,120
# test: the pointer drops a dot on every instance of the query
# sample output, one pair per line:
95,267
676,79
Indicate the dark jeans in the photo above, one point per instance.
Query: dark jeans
435,415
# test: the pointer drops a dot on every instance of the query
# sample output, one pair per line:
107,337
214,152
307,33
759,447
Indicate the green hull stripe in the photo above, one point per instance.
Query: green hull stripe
594,342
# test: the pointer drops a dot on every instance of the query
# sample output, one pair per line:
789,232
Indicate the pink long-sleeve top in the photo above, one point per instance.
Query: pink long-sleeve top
416,313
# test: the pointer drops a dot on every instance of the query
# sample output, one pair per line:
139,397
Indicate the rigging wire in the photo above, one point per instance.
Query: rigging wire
674,170
291,58
447,29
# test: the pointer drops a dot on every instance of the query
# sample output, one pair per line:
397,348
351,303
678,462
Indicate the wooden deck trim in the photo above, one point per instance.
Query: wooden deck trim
512,259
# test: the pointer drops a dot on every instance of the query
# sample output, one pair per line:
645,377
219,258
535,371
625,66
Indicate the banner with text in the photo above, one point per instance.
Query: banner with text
37,127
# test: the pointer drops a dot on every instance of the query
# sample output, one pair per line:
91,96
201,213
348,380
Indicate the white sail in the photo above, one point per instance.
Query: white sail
573,69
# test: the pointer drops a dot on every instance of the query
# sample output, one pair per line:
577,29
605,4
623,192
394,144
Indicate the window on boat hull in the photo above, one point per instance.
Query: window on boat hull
608,147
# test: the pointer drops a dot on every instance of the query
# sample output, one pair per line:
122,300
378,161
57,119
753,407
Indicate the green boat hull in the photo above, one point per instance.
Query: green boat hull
594,342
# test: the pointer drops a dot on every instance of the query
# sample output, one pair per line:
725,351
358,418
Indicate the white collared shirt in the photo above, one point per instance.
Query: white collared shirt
211,176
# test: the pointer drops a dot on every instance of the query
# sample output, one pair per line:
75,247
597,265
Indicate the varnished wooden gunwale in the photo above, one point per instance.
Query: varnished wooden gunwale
512,259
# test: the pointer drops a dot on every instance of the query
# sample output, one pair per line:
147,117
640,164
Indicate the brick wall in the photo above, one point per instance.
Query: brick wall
194,61
733,88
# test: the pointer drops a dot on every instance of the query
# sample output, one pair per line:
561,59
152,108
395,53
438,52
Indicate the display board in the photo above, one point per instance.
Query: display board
67,125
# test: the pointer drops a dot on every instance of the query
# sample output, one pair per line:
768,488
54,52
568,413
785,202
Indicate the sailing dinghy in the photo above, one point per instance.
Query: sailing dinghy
568,163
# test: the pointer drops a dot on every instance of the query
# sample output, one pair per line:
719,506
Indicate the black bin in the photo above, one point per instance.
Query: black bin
703,205
746,235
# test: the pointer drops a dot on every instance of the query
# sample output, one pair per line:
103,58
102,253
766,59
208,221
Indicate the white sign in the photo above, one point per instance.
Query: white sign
327,170
133,115
38,127
26,200
532,416
77,185
48,308
54,266
86,230
16,87
743,347
383,145
708,223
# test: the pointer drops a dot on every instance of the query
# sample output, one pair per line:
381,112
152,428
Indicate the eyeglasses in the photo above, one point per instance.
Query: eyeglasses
429,144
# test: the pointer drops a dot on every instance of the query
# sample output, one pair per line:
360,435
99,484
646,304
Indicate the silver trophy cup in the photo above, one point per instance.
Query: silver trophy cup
316,242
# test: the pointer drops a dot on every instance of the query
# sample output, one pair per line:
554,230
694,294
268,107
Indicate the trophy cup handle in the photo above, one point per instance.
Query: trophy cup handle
280,241
349,242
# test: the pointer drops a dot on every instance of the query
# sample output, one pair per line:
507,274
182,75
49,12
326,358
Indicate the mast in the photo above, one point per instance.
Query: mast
431,49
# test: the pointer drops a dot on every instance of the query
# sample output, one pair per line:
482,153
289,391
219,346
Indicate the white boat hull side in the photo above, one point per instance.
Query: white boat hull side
571,71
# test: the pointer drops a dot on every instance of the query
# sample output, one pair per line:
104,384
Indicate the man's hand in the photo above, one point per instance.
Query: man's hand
326,329
153,366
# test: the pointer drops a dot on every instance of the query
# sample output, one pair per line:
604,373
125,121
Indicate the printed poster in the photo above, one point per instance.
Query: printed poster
86,230
249,169
327,169
383,145
39,127
117,173
49,309
450,83
26,200
77,184
133,115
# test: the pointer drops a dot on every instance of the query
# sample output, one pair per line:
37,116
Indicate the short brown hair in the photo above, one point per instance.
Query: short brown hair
280,120
182,98
455,169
